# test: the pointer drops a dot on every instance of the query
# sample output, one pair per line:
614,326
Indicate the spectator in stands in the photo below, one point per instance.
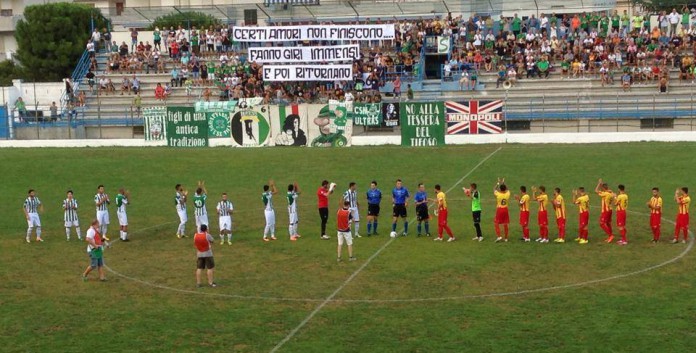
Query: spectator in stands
543,66
137,104
626,81
397,86
90,48
175,79
134,38
159,92
135,85
157,38
54,111
105,85
81,98
502,75
662,83
123,50
167,91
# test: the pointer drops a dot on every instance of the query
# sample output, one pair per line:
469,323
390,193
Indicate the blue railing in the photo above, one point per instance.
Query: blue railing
76,78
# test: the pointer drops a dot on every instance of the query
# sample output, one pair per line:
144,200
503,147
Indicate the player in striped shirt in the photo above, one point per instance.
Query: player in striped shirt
267,197
655,206
224,210
374,198
32,206
542,216
523,202
581,199
602,189
180,202
70,215
352,197
621,203
681,196
559,210
101,201
293,219
199,208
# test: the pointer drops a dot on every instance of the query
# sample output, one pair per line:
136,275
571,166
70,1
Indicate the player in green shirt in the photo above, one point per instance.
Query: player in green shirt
122,199
475,197
199,209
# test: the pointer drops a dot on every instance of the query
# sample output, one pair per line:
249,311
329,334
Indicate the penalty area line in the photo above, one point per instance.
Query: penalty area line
345,283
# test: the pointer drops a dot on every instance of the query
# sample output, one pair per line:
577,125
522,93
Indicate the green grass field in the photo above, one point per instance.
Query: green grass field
401,295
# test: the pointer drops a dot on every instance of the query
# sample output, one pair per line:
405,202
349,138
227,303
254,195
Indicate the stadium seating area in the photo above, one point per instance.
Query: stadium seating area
601,69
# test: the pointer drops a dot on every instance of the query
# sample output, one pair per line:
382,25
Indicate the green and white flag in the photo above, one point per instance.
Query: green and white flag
219,124
367,114
215,107
155,123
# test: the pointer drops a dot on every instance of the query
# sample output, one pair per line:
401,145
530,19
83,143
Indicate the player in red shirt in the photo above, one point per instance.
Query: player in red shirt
323,205
523,201
681,196
502,216
542,216
606,195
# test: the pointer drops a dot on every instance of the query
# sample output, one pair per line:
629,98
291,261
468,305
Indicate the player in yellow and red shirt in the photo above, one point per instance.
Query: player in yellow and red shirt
442,215
683,201
502,216
606,196
542,216
581,199
523,201
621,203
559,209
655,206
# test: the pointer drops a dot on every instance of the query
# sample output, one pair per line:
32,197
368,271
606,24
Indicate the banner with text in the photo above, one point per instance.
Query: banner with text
390,114
474,117
333,53
367,114
307,72
186,128
289,125
313,32
422,124
155,121
329,125
250,127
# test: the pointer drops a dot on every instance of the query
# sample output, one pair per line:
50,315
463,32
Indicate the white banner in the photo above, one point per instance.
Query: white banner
304,54
316,32
307,72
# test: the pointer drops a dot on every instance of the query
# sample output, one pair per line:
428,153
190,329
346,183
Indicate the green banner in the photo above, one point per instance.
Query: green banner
155,121
422,124
186,128
215,107
367,114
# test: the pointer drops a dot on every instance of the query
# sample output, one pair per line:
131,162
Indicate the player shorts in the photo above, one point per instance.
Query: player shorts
103,217
344,237
422,212
355,214
270,217
476,215
122,218
524,218
202,219
682,220
442,217
74,223
605,217
655,220
205,263
584,219
502,216
373,209
543,218
183,217
621,218
292,217
225,223
399,210
34,220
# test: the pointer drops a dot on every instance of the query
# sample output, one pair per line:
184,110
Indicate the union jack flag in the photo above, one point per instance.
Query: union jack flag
474,117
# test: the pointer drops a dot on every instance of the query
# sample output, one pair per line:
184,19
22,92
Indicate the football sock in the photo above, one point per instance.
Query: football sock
419,227
374,227
394,227
125,235
357,227
606,228
229,236
405,226
38,232
448,230
29,232
525,232
427,228
623,234
290,230
67,233
497,230
369,227
78,233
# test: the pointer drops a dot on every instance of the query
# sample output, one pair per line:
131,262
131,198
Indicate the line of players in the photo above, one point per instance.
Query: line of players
401,197
33,206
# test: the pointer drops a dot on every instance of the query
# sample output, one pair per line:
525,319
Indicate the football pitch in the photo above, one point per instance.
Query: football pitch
404,294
